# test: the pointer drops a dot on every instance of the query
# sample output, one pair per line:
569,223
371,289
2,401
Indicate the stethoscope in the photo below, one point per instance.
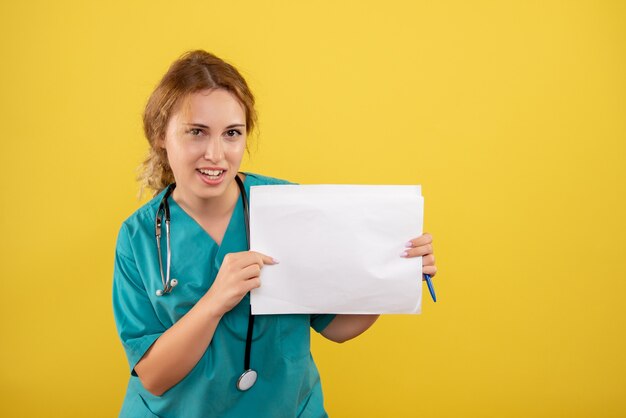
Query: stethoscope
249,376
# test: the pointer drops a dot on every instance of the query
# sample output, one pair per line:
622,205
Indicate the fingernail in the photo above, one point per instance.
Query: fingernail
404,254
408,244
275,260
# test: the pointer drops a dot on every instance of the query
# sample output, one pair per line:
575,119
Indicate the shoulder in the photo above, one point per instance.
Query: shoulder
253,179
145,214
140,224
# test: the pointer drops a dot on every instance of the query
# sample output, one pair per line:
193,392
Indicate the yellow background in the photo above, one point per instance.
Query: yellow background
511,115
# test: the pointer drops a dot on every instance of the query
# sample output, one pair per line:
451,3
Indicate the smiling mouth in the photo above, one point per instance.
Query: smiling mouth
210,174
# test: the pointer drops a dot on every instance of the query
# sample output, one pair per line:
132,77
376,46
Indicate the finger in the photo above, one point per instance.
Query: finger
263,259
423,239
418,251
248,258
431,270
248,285
428,260
238,260
249,272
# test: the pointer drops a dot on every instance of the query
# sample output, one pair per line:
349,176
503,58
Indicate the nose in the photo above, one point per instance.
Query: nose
214,150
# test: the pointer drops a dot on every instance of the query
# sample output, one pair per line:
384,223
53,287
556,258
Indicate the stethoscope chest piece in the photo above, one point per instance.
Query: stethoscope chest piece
246,380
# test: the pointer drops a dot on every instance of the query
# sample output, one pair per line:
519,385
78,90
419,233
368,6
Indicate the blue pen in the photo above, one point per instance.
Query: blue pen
431,288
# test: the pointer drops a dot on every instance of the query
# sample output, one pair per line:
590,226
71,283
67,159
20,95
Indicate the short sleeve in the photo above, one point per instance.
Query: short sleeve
135,318
320,322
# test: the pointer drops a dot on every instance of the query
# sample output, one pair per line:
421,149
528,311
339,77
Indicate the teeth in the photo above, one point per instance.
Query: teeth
211,173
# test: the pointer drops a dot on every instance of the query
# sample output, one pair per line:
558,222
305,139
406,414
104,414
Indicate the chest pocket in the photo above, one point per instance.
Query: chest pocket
295,336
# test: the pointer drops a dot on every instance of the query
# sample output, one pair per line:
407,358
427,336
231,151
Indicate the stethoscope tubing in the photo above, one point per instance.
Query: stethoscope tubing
249,376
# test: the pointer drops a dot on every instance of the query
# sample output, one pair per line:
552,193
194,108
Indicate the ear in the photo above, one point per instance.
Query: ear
160,143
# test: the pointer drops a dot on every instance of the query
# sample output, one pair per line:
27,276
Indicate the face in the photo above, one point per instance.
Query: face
205,141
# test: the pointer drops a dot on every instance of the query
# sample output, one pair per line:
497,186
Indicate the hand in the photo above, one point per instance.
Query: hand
422,247
238,275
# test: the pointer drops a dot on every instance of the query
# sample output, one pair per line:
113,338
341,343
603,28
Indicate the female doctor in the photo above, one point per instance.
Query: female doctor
188,346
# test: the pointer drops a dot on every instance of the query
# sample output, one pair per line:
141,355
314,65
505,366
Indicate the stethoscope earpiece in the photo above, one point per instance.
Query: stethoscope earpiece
168,289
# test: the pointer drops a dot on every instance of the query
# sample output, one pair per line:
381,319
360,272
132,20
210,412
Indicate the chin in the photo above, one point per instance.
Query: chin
211,191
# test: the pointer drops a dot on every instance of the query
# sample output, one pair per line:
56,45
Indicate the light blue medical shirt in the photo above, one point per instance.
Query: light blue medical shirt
288,382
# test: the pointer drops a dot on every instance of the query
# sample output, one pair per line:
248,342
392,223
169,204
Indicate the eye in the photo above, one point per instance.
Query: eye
195,131
232,133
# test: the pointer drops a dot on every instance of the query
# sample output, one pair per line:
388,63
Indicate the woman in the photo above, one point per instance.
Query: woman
186,348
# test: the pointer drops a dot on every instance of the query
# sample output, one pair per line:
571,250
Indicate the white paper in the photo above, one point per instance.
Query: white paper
339,248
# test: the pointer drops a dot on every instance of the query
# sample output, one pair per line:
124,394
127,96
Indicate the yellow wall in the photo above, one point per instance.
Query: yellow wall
512,116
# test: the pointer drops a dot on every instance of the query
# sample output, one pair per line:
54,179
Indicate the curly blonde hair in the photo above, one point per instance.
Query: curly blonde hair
192,72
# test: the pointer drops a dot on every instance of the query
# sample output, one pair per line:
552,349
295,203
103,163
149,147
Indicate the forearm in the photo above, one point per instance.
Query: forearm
178,350
345,327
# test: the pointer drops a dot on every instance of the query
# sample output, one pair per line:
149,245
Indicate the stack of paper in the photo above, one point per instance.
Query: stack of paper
339,248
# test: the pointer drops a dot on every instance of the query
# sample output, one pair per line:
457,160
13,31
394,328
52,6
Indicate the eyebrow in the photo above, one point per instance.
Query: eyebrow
234,125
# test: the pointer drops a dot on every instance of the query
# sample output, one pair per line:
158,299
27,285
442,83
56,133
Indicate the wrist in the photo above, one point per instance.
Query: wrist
209,307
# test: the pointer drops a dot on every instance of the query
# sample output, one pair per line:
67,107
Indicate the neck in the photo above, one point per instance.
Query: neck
214,207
